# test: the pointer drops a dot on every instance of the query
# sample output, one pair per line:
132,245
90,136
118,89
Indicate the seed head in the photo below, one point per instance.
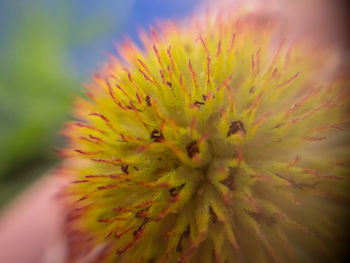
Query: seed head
221,141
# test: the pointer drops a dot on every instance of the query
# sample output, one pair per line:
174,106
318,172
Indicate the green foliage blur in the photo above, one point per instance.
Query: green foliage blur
39,75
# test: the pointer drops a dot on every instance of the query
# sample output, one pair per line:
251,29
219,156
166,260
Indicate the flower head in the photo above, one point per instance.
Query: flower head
221,141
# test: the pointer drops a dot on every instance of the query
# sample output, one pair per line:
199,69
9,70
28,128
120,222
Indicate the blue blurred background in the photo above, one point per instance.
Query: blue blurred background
48,48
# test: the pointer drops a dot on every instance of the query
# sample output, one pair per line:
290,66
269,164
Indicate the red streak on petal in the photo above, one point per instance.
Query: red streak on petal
314,138
138,234
104,118
112,219
87,139
157,55
193,124
138,98
171,57
145,76
142,148
326,127
109,186
288,81
80,181
122,90
218,51
162,76
96,138
102,161
86,153
119,235
96,176
252,62
88,127
258,60
232,44
194,78
294,162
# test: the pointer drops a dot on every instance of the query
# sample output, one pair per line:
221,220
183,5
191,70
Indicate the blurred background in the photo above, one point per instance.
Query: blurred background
48,48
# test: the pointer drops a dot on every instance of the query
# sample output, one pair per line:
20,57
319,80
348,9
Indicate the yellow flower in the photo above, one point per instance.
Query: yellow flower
221,141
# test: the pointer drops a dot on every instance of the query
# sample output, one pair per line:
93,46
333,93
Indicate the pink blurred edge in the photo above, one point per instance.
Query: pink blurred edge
31,226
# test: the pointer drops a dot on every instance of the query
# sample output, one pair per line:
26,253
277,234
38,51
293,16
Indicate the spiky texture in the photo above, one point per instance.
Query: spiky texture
218,143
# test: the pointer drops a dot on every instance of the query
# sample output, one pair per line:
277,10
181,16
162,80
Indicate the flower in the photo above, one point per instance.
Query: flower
222,141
